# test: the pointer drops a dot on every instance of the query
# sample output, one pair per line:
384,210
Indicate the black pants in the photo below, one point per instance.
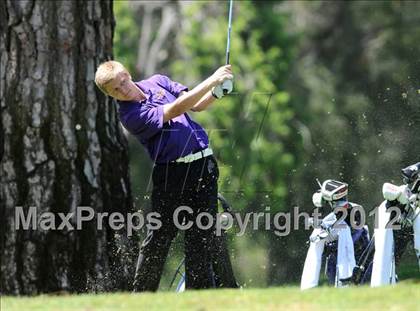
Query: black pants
180,184
221,264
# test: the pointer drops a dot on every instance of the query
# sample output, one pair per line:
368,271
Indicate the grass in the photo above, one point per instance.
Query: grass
404,296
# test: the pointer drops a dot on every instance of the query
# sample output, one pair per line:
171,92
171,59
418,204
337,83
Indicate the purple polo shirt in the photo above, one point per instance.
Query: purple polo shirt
167,141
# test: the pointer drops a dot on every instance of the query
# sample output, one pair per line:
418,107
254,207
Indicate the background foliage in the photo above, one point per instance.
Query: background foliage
322,90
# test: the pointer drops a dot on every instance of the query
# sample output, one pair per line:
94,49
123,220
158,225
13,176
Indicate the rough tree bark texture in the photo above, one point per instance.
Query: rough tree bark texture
61,147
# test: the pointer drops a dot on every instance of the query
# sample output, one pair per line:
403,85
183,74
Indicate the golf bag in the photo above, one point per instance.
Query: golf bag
220,269
347,251
401,207
364,247
347,254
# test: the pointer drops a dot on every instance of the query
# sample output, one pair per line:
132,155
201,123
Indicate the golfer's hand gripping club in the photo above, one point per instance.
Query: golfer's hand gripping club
223,77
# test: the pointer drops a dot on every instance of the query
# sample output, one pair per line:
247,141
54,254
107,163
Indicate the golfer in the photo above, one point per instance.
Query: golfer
185,172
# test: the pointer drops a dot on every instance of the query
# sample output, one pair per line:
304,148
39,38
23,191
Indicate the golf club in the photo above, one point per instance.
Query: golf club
227,85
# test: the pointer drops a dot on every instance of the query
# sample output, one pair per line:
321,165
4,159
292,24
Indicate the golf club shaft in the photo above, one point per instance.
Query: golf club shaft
228,34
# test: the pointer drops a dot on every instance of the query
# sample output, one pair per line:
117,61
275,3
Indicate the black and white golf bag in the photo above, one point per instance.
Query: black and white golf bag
333,239
398,222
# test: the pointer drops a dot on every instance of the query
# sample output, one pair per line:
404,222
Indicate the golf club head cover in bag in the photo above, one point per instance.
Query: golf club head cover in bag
330,190
411,177
396,193
317,199
333,190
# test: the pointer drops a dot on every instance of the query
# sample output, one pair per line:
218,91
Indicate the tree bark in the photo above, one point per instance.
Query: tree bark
61,147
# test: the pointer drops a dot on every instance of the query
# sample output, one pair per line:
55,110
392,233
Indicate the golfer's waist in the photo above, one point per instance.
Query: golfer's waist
194,156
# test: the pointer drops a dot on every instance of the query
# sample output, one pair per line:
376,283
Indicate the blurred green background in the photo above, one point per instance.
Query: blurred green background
322,90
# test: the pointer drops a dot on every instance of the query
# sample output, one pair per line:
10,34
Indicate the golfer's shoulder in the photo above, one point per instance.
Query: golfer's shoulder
130,109
158,79
136,117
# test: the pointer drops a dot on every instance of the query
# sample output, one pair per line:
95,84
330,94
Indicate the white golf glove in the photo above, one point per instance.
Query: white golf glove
222,89
217,91
227,87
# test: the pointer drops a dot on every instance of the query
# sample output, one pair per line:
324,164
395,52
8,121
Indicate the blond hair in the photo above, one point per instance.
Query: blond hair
106,72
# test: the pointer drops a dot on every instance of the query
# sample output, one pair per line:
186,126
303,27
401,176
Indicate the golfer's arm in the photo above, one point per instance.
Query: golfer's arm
204,102
186,101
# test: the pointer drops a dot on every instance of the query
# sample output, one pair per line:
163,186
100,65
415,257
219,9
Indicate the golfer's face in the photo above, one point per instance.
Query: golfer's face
121,88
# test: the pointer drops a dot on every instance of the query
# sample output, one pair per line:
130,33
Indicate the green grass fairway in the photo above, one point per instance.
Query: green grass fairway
404,296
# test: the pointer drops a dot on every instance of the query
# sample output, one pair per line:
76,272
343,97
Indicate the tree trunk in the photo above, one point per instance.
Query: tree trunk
61,147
